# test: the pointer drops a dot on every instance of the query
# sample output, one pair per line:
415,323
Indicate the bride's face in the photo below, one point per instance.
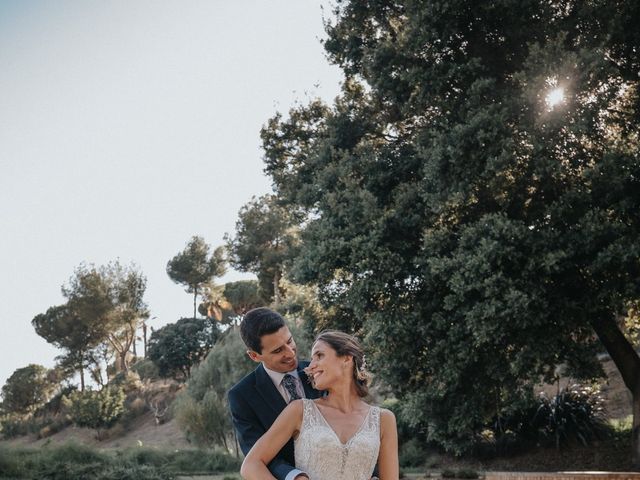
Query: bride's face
326,367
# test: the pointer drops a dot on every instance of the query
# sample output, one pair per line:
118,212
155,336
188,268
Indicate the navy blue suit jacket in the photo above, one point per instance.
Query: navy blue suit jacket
255,403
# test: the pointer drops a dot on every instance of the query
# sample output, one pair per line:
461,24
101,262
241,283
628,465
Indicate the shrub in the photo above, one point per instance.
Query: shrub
621,429
134,407
11,465
576,413
97,471
17,425
97,409
412,453
137,406
207,421
222,462
57,424
128,381
67,471
405,421
74,462
116,431
146,456
146,369
131,472
13,426
189,461
73,453
466,473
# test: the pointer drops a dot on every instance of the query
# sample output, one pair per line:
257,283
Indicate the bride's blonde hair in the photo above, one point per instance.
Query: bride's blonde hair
345,344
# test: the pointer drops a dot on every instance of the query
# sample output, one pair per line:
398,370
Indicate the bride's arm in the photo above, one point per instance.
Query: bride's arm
388,467
267,447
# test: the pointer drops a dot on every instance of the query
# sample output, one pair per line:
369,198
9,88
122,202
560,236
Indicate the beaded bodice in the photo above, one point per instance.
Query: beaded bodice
320,453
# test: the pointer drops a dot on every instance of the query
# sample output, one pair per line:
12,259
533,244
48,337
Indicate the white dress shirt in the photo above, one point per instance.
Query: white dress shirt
276,378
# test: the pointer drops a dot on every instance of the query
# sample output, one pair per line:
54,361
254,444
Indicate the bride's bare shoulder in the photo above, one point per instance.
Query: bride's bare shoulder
387,420
386,413
294,408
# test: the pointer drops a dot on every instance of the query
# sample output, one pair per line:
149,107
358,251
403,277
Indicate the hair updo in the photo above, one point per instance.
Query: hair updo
345,344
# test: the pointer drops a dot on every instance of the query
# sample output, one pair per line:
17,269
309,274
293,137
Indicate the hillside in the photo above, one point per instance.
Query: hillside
143,430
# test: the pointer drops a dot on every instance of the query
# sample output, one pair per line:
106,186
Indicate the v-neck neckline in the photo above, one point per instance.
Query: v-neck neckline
344,444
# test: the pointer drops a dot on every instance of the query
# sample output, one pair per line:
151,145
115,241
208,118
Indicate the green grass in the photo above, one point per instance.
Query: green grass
74,462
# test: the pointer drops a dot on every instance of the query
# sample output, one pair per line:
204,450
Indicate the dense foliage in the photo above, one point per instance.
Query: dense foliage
265,238
574,414
201,410
97,409
177,347
476,231
243,295
27,389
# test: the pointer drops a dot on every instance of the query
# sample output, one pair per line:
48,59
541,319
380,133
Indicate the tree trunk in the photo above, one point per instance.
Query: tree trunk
635,432
276,289
81,369
195,296
235,441
123,361
82,378
627,362
144,338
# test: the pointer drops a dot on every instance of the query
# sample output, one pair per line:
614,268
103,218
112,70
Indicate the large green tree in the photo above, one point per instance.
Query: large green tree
104,308
472,196
194,267
111,296
229,302
27,389
243,295
77,336
265,238
177,347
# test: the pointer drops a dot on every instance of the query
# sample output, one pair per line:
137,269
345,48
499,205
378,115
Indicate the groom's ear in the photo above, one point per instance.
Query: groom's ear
255,356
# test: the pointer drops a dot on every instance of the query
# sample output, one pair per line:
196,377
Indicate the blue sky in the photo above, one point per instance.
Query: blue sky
126,128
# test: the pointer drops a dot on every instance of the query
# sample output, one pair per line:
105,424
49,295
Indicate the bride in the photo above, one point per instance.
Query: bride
338,436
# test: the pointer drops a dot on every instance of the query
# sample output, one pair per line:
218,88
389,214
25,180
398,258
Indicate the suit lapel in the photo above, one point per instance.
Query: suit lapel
268,391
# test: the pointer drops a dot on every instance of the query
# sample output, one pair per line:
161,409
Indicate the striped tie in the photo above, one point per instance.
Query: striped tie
289,384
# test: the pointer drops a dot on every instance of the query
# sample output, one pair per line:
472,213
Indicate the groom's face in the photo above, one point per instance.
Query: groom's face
278,351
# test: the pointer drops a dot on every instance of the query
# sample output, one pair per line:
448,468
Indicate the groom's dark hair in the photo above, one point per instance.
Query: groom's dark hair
258,322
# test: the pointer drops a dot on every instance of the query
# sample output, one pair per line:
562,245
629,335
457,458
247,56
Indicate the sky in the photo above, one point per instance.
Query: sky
128,127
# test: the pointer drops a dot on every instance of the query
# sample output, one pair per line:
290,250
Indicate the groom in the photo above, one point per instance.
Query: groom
257,399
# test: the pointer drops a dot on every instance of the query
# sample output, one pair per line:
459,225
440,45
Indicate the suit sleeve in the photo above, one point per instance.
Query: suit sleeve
250,429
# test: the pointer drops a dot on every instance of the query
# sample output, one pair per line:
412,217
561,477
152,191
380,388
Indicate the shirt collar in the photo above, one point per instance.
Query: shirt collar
276,377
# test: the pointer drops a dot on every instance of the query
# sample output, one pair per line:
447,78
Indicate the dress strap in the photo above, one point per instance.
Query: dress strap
309,414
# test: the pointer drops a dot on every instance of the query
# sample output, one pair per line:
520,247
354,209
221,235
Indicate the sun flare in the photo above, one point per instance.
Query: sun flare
555,97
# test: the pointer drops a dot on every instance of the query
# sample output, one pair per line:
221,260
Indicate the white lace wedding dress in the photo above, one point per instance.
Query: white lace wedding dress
320,453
